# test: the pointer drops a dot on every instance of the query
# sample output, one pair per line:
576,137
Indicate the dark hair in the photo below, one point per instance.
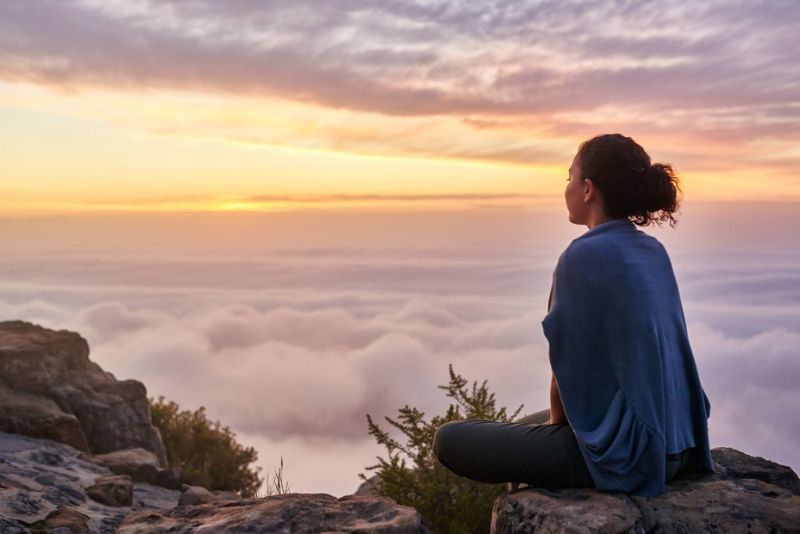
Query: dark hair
632,187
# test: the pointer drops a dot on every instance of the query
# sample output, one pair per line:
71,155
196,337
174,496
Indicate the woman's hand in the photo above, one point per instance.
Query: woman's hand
557,415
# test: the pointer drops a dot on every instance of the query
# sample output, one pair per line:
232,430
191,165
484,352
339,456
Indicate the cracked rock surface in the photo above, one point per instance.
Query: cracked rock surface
746,494
45,484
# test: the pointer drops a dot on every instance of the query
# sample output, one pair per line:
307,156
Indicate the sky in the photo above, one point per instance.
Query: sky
206,105
298,213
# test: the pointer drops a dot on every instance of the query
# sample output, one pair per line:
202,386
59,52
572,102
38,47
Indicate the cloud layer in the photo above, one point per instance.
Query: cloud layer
293,347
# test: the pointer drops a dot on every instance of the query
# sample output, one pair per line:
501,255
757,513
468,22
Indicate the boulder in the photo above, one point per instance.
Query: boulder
746,494
40,417
192,495
112,490
50,389
287,513
140,464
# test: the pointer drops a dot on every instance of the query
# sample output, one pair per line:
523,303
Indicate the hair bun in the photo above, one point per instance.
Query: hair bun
632,185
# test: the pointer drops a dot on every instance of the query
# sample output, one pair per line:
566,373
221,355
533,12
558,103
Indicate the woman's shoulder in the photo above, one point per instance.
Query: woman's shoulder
614,247
589,252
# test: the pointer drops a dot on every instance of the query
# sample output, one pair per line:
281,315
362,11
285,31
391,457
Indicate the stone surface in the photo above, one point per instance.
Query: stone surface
171,478
113,490
43,484
69,519
371,486
44,487
192,495
40,417
279,514
223,495
140,464
49,388
746,494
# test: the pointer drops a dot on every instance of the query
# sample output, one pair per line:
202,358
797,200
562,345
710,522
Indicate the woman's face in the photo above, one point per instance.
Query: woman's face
575,192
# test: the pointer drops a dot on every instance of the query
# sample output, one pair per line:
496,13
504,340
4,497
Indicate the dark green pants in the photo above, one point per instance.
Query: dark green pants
525,451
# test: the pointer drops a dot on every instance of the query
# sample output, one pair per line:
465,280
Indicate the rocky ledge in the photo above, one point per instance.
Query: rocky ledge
46,486
283,514
746,494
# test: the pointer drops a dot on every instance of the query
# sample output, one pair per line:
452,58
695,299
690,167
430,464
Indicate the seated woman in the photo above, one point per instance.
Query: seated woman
627,410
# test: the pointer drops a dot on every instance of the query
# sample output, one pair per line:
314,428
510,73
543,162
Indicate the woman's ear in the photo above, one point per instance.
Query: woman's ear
588,190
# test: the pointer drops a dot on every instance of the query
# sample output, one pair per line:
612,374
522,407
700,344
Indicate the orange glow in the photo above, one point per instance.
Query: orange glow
177,151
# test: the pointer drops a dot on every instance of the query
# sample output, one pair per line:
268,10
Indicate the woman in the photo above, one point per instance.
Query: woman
627,410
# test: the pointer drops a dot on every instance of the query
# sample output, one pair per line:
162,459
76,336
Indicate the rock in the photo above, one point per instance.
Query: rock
226,495
66,519
141,464
43,482
285,513
370,486
113,490
195,495
171,478
50,389
736,464
24,506
149,496
39,417
747,493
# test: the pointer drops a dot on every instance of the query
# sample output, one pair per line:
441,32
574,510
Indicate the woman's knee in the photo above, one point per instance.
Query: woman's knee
444,439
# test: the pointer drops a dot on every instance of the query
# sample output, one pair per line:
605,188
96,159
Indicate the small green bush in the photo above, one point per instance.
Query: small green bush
448,503
207,452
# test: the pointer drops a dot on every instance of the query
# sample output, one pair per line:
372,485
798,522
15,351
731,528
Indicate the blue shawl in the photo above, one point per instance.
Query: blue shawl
620,353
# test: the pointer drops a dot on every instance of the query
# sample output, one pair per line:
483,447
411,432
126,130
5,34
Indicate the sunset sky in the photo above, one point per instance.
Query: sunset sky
296,213
242,105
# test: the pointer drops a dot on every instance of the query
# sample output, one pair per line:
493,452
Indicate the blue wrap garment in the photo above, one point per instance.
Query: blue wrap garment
620,353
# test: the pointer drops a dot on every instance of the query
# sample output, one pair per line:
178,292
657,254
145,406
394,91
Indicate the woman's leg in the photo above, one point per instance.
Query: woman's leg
535,454
538,418
674,467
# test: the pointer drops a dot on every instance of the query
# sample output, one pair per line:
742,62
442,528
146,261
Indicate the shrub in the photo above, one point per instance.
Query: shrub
207,452
448,503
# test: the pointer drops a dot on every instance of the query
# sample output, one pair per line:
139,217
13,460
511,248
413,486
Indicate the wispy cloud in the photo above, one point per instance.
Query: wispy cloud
719,74
412,59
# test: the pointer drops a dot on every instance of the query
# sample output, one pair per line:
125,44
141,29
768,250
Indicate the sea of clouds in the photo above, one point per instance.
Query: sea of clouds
290,328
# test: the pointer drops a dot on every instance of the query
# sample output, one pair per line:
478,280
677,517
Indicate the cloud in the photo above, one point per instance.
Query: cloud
520,82
293,347
404,58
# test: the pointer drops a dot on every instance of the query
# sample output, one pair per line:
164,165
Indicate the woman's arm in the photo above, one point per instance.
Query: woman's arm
557,415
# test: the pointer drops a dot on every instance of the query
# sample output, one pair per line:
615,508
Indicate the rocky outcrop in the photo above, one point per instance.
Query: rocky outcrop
50,389
746,494
283,514
45,484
